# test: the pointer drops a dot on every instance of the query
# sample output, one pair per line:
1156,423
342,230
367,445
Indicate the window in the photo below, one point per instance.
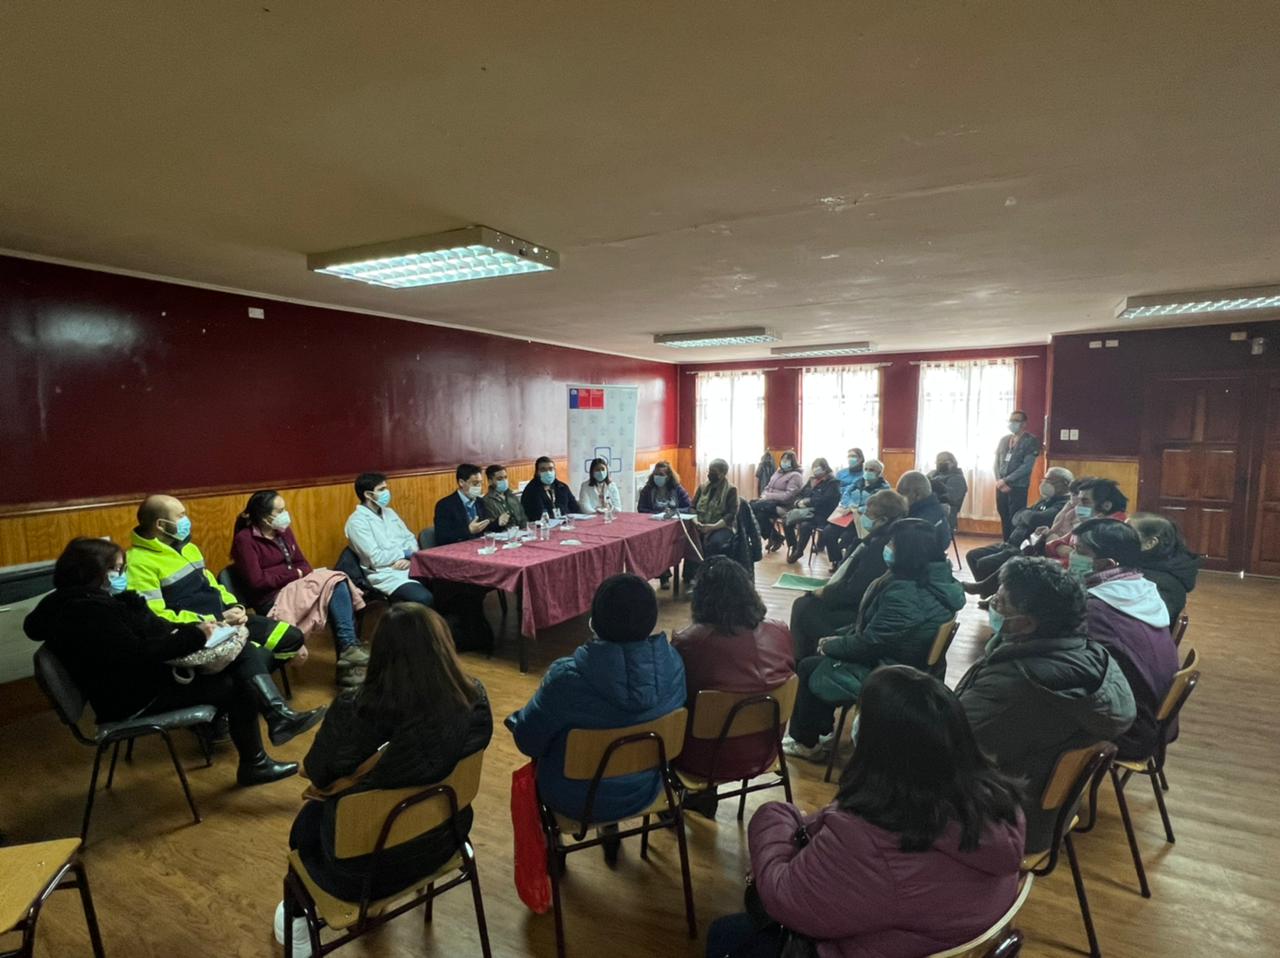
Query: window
963,409
839,408
730,426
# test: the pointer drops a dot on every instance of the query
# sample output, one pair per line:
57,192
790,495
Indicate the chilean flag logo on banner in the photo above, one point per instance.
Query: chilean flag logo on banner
586,398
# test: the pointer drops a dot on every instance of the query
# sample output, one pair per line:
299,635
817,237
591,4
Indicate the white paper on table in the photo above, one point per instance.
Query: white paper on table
583,515
514,544
501,536
220,635
688,515
570,542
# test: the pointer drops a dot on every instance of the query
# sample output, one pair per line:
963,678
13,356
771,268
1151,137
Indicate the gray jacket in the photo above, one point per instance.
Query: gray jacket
1029,701
1016,457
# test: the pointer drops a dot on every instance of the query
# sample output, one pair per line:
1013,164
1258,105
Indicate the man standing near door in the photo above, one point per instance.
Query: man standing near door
1015,458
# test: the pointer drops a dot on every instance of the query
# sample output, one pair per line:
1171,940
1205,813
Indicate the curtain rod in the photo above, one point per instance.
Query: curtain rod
725,372
980,359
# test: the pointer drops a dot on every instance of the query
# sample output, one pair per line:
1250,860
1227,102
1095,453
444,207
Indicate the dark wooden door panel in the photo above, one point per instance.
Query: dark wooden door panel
1268,549
1175,415
1177,474
1266,527
1215,534
1218,475
1223,405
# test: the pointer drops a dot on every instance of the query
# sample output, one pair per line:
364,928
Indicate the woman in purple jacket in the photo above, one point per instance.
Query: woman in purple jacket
779,496
919,852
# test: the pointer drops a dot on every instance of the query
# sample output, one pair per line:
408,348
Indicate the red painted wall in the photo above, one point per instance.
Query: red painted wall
1100,391
112,385
899,397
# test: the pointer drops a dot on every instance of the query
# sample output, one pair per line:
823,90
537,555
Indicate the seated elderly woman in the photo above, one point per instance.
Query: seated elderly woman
840,541
715,506
778,496
817,500
117,651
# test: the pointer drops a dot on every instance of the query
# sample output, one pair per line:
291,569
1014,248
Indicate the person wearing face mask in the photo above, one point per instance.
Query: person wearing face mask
662,492
460,517
1042,686
1166,560
827,610
599,490
852,472
1016,455
545,494
779,496
715,505
817,500
840,542
502,505
985,561
169,572
116,648
1097,498
948,472
383,543
896,624
765,469
280,583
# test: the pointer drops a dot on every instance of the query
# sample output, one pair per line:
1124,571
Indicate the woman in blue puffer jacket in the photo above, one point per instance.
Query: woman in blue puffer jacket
623,676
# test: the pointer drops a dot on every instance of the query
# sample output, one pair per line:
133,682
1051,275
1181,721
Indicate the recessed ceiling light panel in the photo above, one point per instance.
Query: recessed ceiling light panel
1199,302
477,252
835,349
743,336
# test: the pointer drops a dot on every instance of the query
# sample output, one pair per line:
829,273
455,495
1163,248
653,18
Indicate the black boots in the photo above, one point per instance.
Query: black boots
263,769
283,723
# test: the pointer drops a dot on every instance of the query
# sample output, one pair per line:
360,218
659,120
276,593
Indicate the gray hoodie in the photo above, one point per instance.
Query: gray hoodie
1031,700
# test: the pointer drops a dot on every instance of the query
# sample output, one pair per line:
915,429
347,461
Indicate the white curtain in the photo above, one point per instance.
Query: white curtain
730,427
964,409
839,408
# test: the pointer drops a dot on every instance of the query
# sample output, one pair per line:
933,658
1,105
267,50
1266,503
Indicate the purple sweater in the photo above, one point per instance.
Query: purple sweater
854,890
783,487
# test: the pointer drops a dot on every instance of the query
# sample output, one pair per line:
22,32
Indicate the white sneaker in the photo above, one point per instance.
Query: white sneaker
812,753
301,935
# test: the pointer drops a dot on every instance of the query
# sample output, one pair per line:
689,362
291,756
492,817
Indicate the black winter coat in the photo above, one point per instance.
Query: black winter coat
1174,576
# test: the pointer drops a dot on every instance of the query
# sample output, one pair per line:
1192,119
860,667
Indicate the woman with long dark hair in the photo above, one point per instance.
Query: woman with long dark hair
599,490
1166,560
116,650
919,852
731,647
281,584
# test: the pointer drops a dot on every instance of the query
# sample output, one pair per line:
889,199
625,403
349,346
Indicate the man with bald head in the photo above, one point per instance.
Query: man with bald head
922,503
168,571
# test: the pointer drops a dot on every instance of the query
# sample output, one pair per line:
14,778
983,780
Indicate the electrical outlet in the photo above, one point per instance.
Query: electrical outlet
1075,435
1064,434
1239,336
1095,344
1112,343
257,312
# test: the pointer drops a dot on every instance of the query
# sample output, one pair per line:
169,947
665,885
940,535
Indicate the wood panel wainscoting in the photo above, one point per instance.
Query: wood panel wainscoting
1123,469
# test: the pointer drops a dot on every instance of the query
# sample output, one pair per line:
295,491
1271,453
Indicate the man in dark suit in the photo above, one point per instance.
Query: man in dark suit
1016,456
460,517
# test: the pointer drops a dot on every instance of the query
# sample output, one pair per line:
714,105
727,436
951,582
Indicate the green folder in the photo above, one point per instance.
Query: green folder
799,583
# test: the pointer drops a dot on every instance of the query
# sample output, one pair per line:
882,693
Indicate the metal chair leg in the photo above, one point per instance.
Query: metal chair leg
685,876
1128,831
1085,914
111,772
1164,809
90,915
644,839
182,776
786,774
426,919
553,854
835,742
481,925
1164,782
742,800
128,752
93,788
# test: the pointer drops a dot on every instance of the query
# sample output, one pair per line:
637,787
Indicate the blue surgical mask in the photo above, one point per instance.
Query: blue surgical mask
117,582
547,476
474,491
599,475
502,485
996,619
866,522
1084,512
659,481
1080,566
818,472
383,498
855,462
888,555
870,478
1015,427
281,521
787,464
181,528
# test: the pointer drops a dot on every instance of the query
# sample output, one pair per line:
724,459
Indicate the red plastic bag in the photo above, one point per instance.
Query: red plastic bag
533,885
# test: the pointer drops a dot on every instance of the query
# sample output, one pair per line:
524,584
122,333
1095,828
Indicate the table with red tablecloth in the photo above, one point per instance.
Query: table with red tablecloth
553,581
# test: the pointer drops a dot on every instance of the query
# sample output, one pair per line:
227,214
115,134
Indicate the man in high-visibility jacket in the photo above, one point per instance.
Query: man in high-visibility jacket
168,571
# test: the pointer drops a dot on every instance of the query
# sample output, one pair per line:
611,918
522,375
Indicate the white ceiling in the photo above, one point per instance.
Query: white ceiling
920,174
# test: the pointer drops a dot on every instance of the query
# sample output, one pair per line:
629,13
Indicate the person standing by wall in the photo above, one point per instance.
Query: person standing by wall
1015,458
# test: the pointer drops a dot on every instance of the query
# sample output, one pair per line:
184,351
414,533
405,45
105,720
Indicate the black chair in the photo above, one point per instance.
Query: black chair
68,702
349,564
230,580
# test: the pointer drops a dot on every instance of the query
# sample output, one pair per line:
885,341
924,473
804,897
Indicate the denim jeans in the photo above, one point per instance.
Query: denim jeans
342,618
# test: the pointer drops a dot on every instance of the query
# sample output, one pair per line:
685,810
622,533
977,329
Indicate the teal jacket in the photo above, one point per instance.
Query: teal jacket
896,625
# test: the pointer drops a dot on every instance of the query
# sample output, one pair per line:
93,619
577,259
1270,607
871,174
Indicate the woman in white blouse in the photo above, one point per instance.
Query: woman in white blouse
599,489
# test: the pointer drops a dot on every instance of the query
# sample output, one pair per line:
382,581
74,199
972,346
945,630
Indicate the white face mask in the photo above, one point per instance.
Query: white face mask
473,491
282,521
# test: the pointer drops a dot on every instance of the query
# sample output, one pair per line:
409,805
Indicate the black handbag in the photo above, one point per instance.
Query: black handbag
791,944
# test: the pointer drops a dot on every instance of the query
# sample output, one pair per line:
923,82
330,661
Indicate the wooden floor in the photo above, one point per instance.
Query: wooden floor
164,886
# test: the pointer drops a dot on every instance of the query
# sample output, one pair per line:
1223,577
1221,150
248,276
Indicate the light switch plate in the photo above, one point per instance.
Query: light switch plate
1064,434
1239,336
1095,344
1075,434
1112,343
257,312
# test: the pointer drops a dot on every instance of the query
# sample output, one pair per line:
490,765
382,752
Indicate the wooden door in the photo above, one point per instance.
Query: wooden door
1266,530
1196,458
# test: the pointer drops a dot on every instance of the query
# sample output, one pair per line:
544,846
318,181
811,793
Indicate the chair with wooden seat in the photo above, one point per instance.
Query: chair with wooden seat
937,653
1001,940
68,701
1180,628
595,754
1184,683
368,822
720,716
1075,771
29,874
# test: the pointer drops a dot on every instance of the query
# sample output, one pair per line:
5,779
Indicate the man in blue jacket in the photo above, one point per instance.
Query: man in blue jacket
1016,456
622,676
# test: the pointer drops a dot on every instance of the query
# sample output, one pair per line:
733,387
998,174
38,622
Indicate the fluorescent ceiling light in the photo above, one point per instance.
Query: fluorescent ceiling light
477,252
835,349
743,336
1202,301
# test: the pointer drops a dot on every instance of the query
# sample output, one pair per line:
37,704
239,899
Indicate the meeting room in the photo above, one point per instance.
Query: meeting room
819,461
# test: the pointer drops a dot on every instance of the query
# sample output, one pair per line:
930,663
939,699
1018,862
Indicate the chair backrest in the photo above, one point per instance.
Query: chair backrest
1072,774
592,753
721,715
427,538
349,563
63,693
362,816
229,579
1192,659
995,936
942,641
1180,628
1184,683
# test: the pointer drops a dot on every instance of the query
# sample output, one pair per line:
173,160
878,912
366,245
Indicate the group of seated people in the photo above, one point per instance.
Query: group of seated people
942,787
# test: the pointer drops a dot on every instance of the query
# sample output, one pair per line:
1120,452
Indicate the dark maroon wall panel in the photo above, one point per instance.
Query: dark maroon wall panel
1100,391
114,385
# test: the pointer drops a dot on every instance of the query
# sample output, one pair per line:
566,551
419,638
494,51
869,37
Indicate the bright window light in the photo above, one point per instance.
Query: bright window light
744,336
835,349
477,252
1205,301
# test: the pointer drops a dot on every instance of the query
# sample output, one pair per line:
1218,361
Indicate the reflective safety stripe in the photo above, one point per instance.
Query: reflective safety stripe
276,635
153,595
181,574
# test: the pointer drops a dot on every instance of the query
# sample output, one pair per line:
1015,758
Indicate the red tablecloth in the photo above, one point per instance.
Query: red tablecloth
557,581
